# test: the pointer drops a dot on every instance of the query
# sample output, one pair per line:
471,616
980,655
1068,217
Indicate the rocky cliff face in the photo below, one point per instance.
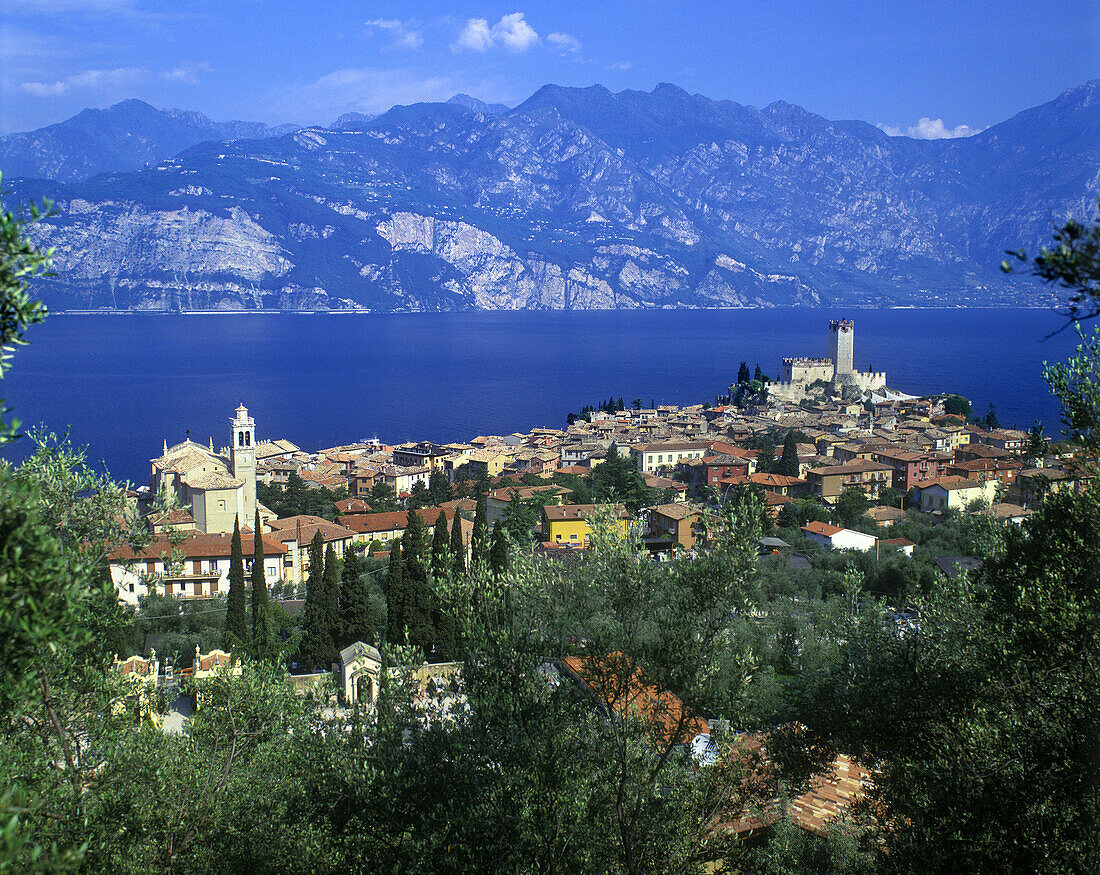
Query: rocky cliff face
578,198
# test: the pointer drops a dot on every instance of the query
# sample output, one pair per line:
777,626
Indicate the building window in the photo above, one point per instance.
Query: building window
221,505
572,537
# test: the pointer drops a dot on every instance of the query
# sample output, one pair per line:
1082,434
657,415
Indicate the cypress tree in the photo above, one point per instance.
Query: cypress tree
416,595
355,617
458,548
316,645
758,374
236,626
498,555
743,375
395,598
412,542
788,462
479,539
260,596
439,547
331,603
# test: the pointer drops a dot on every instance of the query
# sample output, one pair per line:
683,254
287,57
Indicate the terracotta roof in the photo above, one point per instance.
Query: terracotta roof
623,686
855,467
366,523
214,480
675,511
950,484
882,514
197,545
780,480
311,525
824,529
352,505
581,511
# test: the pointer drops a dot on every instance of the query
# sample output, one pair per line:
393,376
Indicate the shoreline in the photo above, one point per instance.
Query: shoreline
367,312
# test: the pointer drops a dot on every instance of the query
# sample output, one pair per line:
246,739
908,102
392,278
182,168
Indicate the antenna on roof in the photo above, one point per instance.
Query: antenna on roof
166,446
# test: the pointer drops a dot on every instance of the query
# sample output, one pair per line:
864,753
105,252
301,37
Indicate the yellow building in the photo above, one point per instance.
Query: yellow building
490,462
567,525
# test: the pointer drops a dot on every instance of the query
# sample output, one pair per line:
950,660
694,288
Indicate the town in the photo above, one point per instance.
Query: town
824,435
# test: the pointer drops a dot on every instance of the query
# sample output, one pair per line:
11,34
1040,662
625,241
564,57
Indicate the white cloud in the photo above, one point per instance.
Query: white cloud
930,129
88,80
620,65
403,33
564,43
187,73
515,33
475,37
512,32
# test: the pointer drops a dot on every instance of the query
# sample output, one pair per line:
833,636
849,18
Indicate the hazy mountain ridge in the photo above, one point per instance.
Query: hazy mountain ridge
126,136
578,198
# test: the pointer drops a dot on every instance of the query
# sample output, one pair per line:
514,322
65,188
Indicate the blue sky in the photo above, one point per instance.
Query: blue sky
959,66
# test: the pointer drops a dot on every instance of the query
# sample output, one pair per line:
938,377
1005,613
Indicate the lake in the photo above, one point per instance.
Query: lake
124,384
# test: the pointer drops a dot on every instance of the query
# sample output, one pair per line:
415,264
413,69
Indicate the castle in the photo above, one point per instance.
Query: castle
837,373
219,489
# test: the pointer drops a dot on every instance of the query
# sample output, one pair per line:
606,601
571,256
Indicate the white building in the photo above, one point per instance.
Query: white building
197,567
837,538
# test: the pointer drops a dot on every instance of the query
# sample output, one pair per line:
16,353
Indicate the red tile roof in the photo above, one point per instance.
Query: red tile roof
824,529
622,684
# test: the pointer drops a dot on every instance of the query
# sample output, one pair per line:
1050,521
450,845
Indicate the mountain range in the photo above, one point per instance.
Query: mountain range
577,198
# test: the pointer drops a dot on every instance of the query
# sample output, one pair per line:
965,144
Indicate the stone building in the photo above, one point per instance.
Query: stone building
838,371
218,488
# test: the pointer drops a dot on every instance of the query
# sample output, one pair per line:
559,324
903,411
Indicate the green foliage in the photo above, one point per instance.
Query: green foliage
520,517
956,405
981,728
317,625
236,626
415,607
479,538
788,462
20,262
395,597
441,558
261,633
383,498
1076,384
362,605
743,375
990,420
498,552
617,481
850,507
457,547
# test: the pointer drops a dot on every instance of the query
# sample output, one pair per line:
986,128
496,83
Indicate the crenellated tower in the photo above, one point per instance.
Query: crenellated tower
841,346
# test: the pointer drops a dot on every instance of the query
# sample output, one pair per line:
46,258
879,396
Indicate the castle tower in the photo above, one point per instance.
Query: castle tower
243,456
841,344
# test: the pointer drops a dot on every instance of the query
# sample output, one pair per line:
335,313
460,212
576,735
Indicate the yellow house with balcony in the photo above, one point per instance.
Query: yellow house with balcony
567,525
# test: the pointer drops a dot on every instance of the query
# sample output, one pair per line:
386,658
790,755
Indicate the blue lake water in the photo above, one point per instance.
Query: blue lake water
124,384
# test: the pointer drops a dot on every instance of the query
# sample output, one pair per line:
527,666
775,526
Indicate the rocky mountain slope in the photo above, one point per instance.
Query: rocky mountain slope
126,136
578,198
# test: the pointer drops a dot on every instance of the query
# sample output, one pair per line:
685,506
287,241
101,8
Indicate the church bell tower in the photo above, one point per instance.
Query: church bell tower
243,457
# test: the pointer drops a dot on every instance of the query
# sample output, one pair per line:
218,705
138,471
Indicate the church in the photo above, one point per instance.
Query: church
218,489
